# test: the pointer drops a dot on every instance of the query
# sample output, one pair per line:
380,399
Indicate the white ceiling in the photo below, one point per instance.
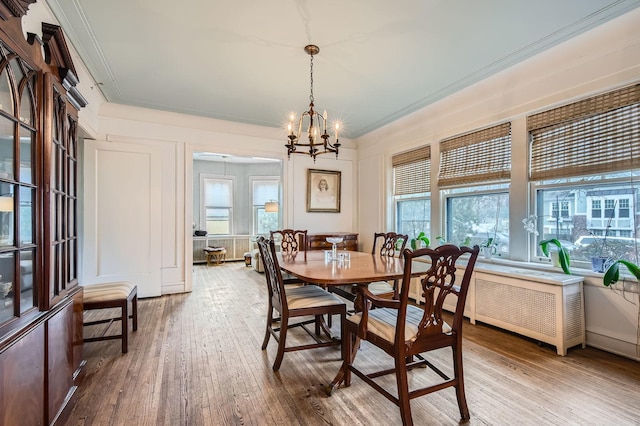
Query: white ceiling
244,60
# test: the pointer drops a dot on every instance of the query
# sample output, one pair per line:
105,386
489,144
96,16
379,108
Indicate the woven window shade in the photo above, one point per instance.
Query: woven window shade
412,171
480,156
593,136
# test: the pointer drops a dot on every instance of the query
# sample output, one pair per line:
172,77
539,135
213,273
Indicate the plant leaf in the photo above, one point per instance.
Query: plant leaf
612,275
563,257
613,272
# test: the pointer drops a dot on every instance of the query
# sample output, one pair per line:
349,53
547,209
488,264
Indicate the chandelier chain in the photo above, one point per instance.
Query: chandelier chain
311,73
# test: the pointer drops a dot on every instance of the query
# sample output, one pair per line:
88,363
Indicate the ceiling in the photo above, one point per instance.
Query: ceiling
244,60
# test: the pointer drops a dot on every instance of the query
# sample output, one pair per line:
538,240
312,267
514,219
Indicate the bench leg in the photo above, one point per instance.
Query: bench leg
134,312
125,326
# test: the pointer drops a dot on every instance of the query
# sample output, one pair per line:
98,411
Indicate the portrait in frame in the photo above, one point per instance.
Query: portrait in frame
323,191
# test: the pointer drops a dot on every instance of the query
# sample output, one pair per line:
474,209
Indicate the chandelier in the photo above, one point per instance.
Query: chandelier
313,123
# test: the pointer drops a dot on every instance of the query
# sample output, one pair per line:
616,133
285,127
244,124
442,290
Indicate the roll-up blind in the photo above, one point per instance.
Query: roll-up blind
593,136
481,156
412,171
218,192
264,190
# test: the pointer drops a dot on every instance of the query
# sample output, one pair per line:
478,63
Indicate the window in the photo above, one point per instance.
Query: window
411,190
263,190
474,172
582,154
217,208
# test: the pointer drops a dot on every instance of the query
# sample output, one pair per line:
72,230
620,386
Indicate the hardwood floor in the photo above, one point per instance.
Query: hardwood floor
196,360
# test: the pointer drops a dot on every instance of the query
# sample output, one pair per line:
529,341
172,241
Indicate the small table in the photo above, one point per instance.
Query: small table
215,255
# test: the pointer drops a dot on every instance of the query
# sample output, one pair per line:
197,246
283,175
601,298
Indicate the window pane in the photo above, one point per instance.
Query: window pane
413,217
218,192
265,190
6,217
609,227
27,300
474,219
7,289
218,221
6,94
7,149
26,215
265,222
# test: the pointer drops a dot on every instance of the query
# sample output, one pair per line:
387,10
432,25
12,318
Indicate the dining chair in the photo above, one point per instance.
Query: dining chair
389,245
292,242
294,302
405,331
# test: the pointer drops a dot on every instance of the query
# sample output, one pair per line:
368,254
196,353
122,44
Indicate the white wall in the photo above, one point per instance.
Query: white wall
605,58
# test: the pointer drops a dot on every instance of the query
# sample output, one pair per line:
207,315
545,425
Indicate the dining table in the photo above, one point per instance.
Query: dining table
348,267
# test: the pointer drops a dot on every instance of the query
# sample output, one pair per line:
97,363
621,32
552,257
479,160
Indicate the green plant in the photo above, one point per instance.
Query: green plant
421,237
563,254
612,274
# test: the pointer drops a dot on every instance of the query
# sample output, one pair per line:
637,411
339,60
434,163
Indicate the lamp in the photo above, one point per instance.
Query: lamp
271,207
6,204
316,123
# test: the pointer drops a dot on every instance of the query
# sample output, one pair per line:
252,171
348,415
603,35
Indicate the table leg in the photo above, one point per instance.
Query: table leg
351,347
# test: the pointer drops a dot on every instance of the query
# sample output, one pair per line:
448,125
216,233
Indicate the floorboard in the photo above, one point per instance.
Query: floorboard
196,360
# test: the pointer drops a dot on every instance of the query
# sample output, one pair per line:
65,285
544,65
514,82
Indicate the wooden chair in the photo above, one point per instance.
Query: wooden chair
292,302
291,243
404,330
390,245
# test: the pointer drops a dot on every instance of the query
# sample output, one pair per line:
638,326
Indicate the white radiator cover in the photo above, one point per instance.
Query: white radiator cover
549,312
545,306
236,246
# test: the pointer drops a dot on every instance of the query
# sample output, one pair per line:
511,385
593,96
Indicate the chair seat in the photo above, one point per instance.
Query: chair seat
107,292
310,296
382,322
377,288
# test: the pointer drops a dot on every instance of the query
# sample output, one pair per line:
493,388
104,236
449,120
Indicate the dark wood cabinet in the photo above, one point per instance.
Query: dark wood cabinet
319,241
40,299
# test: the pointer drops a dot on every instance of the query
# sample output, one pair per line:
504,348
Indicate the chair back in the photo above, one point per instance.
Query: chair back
389,243
292,241
441,276
272,273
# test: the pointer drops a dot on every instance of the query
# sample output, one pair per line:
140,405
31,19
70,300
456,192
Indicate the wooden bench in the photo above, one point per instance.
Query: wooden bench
215,255
112,295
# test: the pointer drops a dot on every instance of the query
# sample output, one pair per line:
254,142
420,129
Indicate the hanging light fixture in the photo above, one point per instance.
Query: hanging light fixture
313,124
271,206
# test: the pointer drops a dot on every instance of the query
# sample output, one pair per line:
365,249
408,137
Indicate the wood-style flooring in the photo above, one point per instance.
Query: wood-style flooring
196,360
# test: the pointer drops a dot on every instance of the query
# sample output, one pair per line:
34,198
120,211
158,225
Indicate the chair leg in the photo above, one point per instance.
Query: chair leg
403,392
125,326
347,344
319,320
282,339
267,332
459,376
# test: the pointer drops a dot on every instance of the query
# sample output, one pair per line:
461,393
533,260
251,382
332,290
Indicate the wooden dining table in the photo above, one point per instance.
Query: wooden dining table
361,268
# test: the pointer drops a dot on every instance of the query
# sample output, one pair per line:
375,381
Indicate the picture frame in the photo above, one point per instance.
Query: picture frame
323,190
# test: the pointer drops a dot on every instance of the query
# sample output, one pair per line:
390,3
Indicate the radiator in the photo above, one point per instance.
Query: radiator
544,306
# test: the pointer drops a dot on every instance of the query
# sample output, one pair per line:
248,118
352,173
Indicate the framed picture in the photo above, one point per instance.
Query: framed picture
323,191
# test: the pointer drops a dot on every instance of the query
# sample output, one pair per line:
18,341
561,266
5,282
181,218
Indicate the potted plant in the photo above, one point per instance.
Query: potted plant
488,247
562,253
422,239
